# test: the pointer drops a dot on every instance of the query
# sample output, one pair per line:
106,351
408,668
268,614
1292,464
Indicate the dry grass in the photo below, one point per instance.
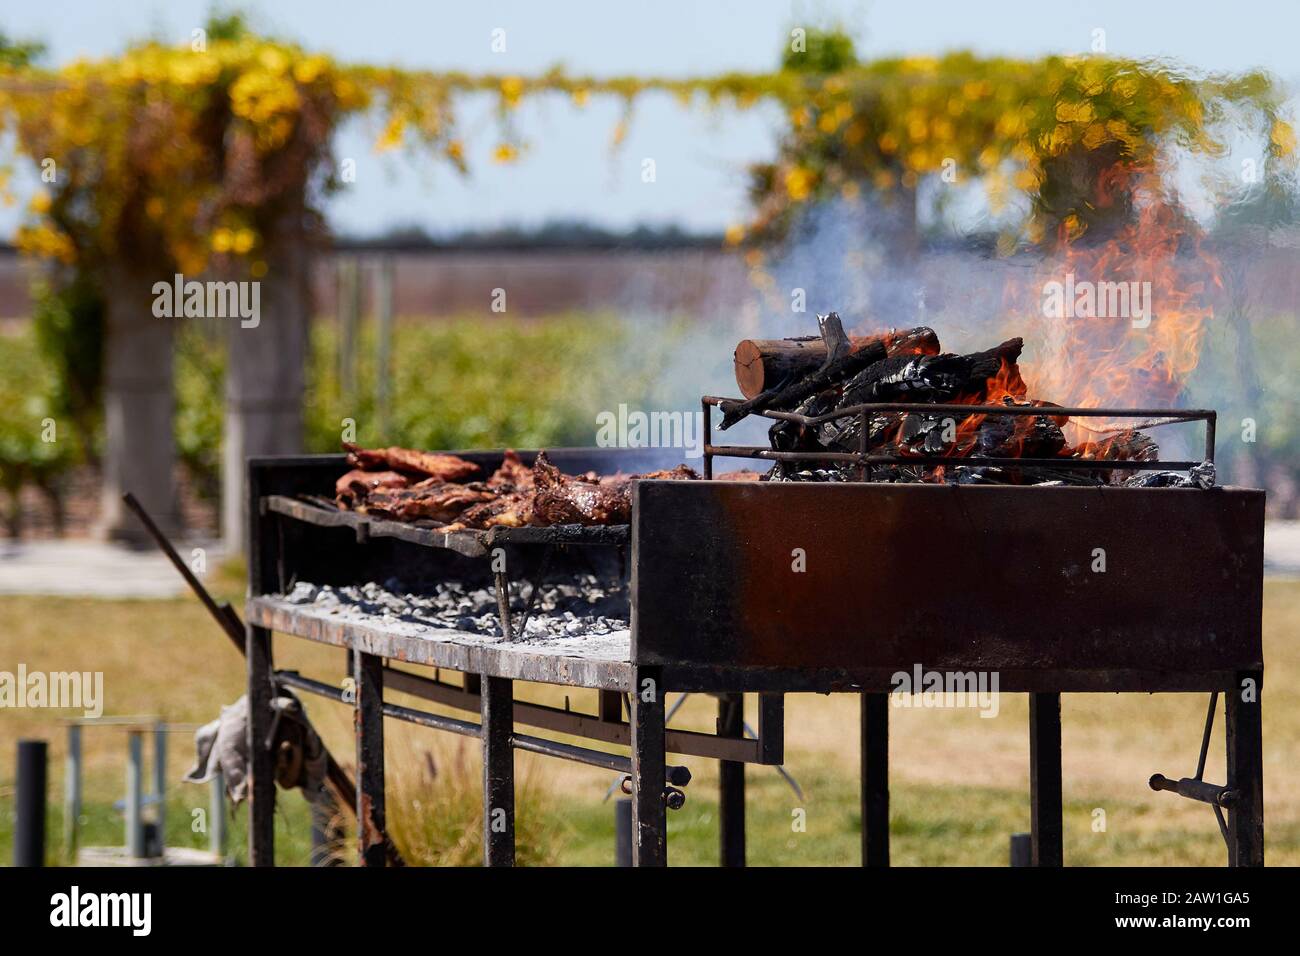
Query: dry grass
960,780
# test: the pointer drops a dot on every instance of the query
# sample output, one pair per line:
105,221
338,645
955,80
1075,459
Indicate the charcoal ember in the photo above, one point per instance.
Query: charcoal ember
842,434
1125,445
925,434
978,475
792,436
1200,476
1018,436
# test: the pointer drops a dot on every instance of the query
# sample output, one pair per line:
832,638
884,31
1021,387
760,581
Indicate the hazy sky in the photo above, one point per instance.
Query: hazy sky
700,159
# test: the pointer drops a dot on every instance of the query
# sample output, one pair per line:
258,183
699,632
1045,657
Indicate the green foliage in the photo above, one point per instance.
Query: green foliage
19,53
199,371
68,323
476,383
28,415
824,51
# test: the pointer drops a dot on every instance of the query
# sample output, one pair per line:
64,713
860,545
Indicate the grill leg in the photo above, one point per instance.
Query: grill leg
1246,774
496,705
368,718
261,761
1045,778
731,784
649,812
875,779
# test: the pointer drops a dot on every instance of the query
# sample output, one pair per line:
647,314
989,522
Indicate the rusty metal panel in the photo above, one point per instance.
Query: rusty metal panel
948,577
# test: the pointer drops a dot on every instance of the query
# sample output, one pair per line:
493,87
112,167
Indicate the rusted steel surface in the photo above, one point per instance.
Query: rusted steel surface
953,578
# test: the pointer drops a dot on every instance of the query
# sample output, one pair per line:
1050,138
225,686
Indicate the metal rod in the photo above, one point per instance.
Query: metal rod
502,586
678,776
1045,779
707,465
1205,738
1194,788
160,781
369,723
134,804
29,823
854,457
875,779
731,784
261,761
72,793
217,815
649,811
1246,770
497,702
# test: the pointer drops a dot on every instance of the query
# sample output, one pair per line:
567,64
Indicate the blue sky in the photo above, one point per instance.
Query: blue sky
700,159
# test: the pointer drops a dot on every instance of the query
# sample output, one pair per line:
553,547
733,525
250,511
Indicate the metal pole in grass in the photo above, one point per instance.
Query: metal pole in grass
29,825
623,831
160,782
217,816
72,793
134,804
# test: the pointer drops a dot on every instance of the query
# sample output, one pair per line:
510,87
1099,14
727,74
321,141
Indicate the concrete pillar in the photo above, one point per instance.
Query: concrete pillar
265,378
140,450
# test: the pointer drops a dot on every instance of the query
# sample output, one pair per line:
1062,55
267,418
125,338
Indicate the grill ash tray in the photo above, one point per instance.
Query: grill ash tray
472,543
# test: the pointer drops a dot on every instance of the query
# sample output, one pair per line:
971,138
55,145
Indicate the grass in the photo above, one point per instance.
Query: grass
960,781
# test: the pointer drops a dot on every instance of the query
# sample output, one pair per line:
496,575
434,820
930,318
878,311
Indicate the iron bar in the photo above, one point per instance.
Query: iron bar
368,718
32,770
1045,779
875,779
731,784
678,776
1246,770
649,811
498,771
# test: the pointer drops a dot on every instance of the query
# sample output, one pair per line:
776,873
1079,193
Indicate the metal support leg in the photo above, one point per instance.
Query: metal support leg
731,784
1246,772
72,793
369,723
875,779
261,761
1045,779
497,706
649,812
134,803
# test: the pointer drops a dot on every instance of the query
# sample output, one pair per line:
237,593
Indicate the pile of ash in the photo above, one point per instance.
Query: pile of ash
578,605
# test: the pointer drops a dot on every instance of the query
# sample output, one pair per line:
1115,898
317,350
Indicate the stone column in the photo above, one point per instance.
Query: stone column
265,379
140,449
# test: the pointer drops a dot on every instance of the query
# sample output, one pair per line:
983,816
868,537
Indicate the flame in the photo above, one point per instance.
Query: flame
1127,359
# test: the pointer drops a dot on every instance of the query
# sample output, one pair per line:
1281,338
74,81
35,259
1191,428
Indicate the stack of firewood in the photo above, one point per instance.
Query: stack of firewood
817,376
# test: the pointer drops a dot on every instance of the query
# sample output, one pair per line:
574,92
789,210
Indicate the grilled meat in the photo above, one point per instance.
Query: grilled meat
430,464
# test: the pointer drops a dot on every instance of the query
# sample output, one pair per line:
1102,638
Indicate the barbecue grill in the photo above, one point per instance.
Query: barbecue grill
953,578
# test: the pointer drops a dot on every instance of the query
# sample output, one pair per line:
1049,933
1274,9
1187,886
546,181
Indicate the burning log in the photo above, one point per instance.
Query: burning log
762,364
828,376
933,378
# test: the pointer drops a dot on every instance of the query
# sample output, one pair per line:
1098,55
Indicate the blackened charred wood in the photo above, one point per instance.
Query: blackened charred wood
931,378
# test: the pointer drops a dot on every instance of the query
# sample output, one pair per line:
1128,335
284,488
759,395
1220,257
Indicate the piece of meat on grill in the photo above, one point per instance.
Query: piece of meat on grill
356,484
513,510
430,464
443,502
513,474
568,499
